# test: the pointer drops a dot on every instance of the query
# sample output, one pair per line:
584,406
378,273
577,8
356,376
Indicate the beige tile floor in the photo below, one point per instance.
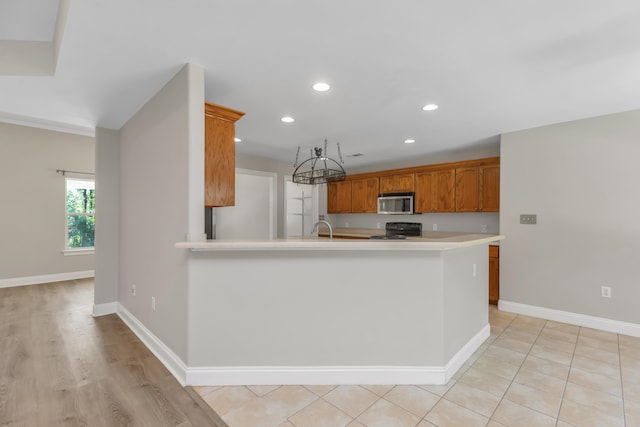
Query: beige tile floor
530,372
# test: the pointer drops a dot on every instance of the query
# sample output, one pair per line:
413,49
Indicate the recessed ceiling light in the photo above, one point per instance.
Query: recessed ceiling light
237,139
288,119
430,107
409,141
321,87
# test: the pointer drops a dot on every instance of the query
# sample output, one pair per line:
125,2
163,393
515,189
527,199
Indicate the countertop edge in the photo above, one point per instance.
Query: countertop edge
325,244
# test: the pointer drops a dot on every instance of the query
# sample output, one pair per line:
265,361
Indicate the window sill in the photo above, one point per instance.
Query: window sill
79,251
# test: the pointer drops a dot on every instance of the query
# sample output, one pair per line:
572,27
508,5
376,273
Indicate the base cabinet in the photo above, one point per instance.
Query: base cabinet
494,274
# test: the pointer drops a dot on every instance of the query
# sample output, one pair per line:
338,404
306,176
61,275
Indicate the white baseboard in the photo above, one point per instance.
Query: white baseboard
292,375
169,359
315,375
332,375
46,278
601,323
104,309
466,351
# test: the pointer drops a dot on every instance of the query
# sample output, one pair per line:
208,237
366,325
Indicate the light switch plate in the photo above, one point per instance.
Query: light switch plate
528,219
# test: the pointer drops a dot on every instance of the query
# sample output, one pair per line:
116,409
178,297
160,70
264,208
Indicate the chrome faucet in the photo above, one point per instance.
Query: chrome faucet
315,228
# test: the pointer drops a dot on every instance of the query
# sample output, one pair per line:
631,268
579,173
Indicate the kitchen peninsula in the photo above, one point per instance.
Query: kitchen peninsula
341,311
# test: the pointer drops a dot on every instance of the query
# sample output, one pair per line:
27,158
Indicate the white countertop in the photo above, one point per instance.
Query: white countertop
440,242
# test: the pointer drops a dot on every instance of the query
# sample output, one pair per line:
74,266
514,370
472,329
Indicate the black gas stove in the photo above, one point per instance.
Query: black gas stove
400,230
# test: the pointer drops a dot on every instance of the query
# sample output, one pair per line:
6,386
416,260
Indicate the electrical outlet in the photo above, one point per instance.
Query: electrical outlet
153,303
346,225
484,228
475,270
133,289
320,217
530,219
435,227
378,225
605,291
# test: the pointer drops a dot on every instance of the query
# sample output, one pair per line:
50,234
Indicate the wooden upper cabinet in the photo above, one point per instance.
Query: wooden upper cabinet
339,197
219,155
478,189
402,183
364,195
468,189
490,187
465,186
435,191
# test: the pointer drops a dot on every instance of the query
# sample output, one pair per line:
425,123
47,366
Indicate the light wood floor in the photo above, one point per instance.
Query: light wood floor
59,366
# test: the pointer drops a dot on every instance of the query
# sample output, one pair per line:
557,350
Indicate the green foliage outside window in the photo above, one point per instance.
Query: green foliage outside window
81,204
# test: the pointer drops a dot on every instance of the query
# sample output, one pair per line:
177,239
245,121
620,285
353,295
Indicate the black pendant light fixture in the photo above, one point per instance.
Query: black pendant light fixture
318,168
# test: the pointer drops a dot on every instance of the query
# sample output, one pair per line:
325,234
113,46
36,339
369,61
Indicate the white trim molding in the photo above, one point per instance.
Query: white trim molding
616,326
82,251
292,375
46,278
104,309
169,359
332,375
34,122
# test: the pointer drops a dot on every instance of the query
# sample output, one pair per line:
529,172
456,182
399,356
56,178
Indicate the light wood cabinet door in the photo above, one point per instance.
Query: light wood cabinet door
468,189
219,155
478,189
494,274
364,195
339,197
425,192
445,190
435,191
490,187
402,183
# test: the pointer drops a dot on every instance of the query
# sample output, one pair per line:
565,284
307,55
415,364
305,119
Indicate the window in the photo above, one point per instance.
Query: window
81,206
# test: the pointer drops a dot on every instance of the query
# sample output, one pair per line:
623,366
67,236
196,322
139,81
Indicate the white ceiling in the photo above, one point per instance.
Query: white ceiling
492,66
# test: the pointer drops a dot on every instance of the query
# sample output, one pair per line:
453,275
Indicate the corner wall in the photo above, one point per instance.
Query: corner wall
159,207
32,219
107,219
581,179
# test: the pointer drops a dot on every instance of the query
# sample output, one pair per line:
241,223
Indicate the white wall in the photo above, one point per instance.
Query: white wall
282,169
253,217
581,179
32,218
158,204
107,215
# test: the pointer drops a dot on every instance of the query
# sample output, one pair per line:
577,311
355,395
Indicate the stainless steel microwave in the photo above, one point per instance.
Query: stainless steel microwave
396,203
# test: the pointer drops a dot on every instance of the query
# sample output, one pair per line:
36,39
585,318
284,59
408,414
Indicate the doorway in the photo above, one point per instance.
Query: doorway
254,215
301,208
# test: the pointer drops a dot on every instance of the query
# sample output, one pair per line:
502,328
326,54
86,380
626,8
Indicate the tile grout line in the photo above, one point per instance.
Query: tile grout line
518,371
444,394
324,400
566,381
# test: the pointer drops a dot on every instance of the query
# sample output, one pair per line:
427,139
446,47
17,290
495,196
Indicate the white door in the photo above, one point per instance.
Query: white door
254,216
